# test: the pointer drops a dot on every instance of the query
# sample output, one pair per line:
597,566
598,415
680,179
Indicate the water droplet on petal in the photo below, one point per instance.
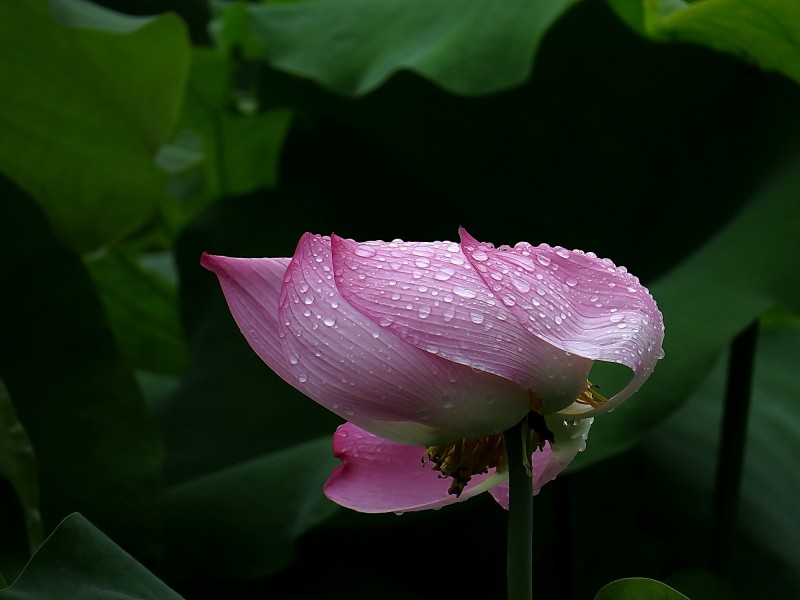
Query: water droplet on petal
464,292
422,262
365,251
521,286
476,317
480,256
329,321
444,274
302,378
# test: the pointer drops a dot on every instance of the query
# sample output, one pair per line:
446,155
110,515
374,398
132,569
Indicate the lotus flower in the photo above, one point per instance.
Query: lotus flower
429,350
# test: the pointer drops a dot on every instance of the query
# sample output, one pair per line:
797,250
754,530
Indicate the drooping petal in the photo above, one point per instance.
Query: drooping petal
546,464
372,378
576,302
429,295
378,476
252,287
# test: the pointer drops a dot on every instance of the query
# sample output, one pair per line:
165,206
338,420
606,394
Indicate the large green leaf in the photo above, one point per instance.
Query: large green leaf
352,46
685,449
98,449
79,562
638,588
249,514
766,32
142,309
85,105
750,267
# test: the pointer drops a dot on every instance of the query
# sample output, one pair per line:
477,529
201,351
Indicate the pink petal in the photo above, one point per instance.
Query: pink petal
378,476
576,302
372,378
429,295
252,287
546,464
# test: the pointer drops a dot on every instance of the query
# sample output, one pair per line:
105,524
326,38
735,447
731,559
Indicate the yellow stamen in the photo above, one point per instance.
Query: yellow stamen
466,457
590,396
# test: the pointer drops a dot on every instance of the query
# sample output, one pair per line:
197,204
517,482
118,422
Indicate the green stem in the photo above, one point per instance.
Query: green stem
520,514
730,456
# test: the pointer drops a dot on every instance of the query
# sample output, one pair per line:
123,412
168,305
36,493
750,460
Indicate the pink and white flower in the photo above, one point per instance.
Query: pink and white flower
429,350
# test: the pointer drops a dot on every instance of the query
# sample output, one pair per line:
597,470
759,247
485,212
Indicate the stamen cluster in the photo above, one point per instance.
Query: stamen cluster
466,457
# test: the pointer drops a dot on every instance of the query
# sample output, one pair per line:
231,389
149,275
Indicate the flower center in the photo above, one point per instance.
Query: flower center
466,457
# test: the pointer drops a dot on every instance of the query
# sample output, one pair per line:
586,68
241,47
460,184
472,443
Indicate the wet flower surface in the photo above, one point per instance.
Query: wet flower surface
430,349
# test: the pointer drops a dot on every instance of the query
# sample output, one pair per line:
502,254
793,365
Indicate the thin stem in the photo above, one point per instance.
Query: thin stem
730,457
520,514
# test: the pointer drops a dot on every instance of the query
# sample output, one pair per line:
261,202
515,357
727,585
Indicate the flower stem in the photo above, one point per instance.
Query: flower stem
730,457
520,514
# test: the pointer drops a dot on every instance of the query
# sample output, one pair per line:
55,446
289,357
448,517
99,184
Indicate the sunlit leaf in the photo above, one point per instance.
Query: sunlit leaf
78,561
764,32
85,105
352,46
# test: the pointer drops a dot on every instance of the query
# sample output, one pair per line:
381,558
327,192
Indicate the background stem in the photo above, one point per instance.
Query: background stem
520,516
730,458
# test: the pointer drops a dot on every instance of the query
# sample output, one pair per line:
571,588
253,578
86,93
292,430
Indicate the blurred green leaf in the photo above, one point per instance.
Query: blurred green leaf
747,269
638,588
765,32
686,447
142,310
250,514
18,466
78,561
240,149
98,449
702,584
352,46
85,107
